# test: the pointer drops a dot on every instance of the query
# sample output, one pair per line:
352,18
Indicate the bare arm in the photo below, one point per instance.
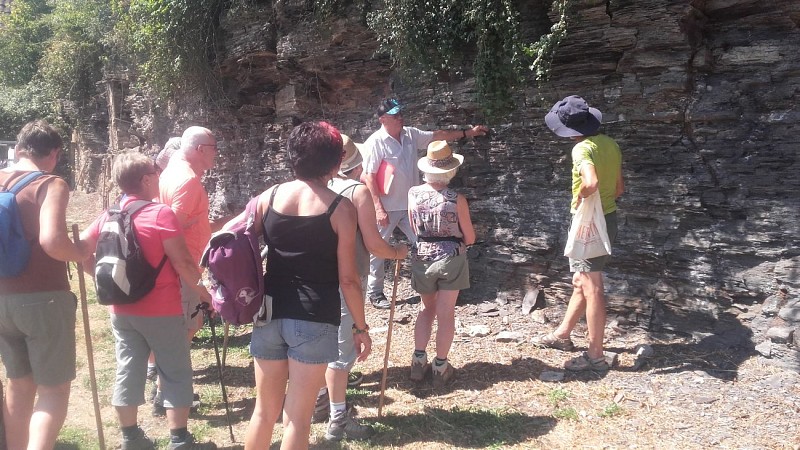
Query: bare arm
620,185
589,180
181,260
53,235
370,180
454,135
91,242
465,221
344,222
366,223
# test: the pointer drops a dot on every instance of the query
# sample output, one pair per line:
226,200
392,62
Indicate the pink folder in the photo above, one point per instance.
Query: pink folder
384,177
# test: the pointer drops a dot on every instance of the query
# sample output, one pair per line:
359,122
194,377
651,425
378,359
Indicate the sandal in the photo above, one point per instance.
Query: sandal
584,362
550,340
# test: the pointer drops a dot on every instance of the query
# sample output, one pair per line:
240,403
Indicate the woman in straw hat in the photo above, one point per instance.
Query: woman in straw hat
439,270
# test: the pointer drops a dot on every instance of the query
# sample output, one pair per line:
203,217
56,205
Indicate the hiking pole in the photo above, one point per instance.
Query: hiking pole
389,336
87,335
207,313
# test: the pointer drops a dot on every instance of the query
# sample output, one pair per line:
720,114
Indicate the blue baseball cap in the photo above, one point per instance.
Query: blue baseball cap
389,106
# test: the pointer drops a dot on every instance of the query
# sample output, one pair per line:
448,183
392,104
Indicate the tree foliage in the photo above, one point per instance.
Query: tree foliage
170,42
433,38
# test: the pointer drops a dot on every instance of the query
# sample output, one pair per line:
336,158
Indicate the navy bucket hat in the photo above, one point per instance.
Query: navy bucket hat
573,117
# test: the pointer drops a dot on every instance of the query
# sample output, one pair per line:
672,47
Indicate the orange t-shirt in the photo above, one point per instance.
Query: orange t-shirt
180,189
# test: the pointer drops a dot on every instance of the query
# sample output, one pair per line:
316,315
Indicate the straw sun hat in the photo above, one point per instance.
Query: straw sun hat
352,154
440,158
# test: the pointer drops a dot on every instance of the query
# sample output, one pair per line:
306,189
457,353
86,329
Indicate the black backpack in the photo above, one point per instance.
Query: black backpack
122,274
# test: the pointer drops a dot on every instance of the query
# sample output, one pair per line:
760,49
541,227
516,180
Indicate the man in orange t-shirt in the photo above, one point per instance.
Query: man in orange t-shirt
180,188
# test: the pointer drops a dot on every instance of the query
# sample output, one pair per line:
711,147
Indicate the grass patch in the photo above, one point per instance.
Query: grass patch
76,438
568,413
557,395
611,410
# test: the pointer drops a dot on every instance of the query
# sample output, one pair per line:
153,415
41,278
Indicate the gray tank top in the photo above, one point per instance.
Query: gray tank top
346,188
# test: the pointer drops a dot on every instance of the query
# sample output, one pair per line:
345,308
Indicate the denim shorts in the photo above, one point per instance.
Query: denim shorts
300,340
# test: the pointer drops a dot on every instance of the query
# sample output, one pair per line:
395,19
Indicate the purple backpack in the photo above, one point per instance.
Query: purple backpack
234,263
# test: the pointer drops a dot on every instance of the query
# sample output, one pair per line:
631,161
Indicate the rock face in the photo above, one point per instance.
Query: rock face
702,97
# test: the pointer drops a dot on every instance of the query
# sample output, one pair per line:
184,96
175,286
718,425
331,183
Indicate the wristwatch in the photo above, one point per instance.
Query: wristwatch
357,330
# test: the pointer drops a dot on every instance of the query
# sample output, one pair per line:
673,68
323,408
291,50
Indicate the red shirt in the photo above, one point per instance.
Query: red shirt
153,224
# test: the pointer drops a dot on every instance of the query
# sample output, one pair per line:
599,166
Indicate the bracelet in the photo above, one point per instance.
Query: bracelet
465,134
357,330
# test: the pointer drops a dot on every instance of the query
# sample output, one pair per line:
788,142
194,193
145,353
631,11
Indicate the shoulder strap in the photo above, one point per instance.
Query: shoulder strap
19,185
272,196
134,206
351,185
334,204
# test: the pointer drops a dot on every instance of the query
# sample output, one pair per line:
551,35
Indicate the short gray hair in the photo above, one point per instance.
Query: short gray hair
442,178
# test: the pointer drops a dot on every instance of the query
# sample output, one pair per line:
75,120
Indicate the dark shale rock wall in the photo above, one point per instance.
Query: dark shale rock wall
701,95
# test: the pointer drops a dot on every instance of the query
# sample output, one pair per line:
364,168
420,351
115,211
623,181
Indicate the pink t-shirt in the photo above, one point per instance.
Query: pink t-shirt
180,189
153,224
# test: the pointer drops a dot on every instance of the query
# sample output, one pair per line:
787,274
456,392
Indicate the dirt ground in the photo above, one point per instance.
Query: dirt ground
681,397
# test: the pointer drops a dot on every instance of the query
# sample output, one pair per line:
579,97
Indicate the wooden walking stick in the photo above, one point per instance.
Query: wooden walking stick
87,335
397,264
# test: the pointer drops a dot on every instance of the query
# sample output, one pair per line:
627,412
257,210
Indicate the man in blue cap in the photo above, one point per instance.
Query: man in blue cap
390,170
596,166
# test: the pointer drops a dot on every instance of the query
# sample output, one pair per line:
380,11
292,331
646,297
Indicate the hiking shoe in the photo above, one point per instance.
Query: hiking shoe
139,442
195,402
584,362
354,379
345,426
419,366
379,301
551,341
190,444
322,408
152,373
442,374
158,405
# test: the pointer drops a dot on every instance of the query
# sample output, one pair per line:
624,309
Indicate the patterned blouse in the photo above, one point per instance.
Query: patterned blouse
434,214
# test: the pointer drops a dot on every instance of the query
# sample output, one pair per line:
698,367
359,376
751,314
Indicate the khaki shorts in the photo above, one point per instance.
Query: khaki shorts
447,274
37,336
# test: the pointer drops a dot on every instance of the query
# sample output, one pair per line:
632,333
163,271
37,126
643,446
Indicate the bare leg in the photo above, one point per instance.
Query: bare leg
48,416
575,309
177,417
424,324
336,380
127,415
17,411
271,376
300,403
445,322
591,284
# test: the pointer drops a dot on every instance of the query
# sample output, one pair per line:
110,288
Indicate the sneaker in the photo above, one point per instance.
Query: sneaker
442,374
379,301
354,379
138,442
190,444
152,373
346,426
419,366
322,408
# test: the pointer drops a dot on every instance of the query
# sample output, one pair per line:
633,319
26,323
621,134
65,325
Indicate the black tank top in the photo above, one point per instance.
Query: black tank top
302,267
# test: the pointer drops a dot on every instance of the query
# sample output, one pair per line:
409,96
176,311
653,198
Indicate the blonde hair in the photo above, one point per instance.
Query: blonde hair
128,170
